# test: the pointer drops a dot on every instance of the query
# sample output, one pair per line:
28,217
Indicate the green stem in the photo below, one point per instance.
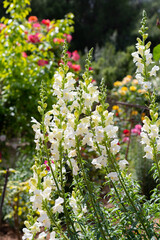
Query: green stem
92,200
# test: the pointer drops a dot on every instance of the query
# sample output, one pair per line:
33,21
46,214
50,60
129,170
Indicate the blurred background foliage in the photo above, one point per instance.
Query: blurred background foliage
96,21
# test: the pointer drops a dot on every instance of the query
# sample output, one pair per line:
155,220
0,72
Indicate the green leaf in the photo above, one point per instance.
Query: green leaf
156,52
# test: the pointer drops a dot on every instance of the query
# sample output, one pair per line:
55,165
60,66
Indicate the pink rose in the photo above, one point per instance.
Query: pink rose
75,56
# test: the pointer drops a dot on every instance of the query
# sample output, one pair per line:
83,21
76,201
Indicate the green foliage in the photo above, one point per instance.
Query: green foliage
111,65
20,71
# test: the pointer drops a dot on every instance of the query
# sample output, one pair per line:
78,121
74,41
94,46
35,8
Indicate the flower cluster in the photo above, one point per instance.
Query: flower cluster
143,59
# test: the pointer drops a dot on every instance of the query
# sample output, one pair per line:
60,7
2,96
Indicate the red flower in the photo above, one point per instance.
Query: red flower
34,38
126,131
46,22
32,19
42,62
76,67
75,56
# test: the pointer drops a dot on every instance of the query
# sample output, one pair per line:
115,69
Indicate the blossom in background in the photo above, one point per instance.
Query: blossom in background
46,22
2,26
117,83
42,62
24,54
76,67
58,40
136,130
32,19
75,55
37,26
68,37
132,88
34,38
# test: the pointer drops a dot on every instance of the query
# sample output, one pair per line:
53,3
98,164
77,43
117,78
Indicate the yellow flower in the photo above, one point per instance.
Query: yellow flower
124,89
133,88
15,199
134,112
117,84
115,107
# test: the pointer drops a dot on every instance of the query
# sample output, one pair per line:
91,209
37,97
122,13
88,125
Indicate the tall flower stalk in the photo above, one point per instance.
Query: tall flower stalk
79,120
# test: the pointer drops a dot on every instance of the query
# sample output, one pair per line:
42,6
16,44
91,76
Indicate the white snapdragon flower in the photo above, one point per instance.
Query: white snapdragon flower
36,199
100,161
113,176
74,166
154,70
122,164
73,204
44,219
35,228
114,146
27,234
53,236
149,152
58,207
42,236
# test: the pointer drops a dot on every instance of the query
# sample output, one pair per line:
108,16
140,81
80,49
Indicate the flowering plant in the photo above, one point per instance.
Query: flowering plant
80,119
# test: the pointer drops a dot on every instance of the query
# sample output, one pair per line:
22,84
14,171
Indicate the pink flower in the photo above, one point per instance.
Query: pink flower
69,54
32,19
37,25
42,62
34,38
2,26
58,40
68,37
46,22
135,131
76,67
24,54
138,126
90,68
75,56
69,64
125,139
47,167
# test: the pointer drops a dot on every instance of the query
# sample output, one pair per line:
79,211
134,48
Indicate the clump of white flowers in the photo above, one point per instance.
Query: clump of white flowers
79,120
143,58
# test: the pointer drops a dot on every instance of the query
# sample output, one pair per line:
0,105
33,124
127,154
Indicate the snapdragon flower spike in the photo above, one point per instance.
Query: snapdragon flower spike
68,127
150,138
143,58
